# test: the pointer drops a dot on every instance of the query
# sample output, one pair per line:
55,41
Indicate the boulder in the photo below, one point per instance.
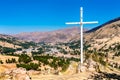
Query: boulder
20,76
91,65
16,74
33,72
81,68
19,70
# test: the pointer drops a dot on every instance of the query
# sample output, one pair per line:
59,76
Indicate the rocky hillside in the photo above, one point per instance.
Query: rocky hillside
104,35
106,39
10,42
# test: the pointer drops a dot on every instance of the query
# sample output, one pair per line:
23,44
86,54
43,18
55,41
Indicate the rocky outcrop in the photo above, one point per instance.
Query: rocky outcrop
16,74
89,65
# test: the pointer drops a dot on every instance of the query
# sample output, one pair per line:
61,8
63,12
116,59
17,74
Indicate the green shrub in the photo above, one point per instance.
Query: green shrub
31,66
1,62
19,49
56,61
26,45
117,54
7,50
13,60
95,57
102,61
63,51
24,58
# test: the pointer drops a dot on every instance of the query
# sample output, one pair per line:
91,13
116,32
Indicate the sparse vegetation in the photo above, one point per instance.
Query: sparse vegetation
63,51
55,62
117,54
13,60
6,50
30,66
19,49
9,40
106,76
25,62
24,58
27,45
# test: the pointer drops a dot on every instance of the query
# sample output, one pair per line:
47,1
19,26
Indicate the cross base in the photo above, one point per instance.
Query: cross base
81,68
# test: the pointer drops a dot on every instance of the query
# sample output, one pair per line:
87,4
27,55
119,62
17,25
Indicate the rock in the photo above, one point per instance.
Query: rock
33,72
58,73
19,70
16,74
7,72
91,69
91,65
21,77
83,68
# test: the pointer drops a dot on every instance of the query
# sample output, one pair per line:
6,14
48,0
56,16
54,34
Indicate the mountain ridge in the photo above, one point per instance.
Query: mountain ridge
104,36
71,34
98,27
62,35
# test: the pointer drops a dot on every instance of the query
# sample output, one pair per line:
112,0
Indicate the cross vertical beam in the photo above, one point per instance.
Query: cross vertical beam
81,32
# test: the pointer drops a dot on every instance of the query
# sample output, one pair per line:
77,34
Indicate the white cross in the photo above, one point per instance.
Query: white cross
81,30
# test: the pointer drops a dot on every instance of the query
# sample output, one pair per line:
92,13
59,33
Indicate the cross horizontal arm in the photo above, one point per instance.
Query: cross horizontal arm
92,22
72,23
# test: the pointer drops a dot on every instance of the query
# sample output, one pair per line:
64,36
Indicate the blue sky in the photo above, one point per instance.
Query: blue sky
46,15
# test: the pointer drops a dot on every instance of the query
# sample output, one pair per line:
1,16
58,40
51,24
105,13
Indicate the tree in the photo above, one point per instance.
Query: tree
19,49
31,66
7,50
1,62
24,58
40,50
13,60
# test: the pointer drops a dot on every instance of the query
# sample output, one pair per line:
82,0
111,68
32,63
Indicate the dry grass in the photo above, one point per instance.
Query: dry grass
5,44
4,67
80,76
4,57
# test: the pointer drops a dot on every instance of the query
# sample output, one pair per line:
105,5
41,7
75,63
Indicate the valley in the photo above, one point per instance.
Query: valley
56,55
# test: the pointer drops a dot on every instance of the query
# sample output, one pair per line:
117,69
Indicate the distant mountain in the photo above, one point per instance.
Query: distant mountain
101,36
63,35
104,35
